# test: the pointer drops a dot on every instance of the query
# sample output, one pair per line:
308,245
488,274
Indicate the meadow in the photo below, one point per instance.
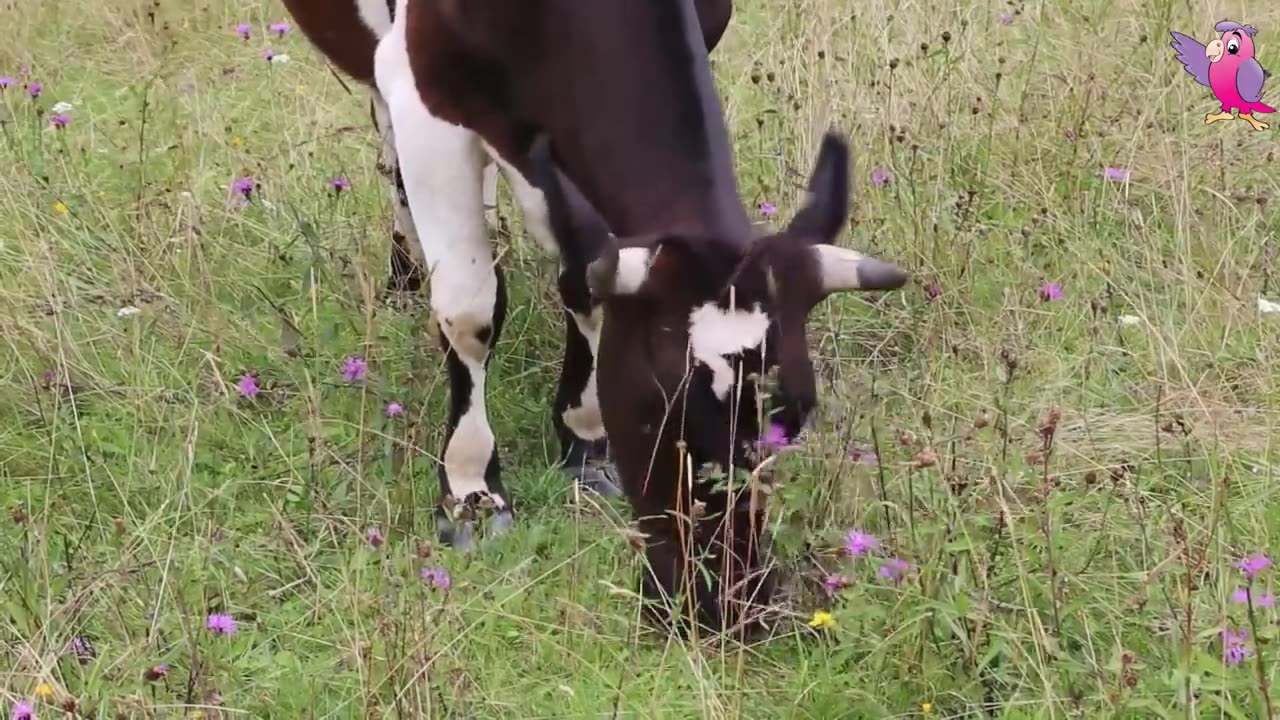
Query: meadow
1040,483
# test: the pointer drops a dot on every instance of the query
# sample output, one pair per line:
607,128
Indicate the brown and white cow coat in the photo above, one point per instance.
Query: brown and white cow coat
610,105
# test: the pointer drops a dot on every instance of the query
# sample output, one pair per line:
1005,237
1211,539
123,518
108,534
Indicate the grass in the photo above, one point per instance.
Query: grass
1072,488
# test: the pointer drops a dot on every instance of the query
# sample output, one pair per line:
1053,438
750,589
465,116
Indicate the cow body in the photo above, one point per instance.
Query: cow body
610,108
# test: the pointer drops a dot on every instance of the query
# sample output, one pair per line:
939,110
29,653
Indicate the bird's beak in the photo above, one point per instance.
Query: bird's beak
1213,51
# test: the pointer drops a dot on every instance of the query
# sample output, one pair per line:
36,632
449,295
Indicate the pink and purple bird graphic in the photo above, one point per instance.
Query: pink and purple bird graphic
1227,66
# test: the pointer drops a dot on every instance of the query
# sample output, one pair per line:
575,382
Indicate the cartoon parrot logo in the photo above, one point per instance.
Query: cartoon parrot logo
1228,68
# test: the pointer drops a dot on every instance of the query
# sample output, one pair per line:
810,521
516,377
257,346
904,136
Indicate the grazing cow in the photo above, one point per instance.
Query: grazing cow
347,32
609,106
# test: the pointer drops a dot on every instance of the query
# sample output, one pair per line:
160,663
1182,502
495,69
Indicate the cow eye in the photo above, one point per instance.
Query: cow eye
1233,47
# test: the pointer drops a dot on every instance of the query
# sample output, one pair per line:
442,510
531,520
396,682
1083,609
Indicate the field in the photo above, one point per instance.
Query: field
1063,426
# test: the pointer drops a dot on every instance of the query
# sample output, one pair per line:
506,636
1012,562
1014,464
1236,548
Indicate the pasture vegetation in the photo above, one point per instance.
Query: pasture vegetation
1062,429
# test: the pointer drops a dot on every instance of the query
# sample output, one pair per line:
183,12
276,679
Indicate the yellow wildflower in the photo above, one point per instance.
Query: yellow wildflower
822,619
44,691
61,208
237,141
926,708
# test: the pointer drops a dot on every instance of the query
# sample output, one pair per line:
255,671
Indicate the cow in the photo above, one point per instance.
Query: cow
605,120
347,33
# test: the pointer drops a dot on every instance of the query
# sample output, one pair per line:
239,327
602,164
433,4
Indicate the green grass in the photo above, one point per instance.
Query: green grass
141,493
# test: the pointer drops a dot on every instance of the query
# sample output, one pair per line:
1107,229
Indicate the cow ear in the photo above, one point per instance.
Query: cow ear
824,215
586,244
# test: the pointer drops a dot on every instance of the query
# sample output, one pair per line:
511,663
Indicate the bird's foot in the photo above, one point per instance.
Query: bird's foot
1256,125
1212,118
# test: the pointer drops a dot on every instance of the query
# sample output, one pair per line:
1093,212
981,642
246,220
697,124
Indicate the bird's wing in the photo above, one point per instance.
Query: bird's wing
1249,80
1191,54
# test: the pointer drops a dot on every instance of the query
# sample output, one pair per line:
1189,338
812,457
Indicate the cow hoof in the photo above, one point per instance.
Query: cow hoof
601,479
459,536
501,523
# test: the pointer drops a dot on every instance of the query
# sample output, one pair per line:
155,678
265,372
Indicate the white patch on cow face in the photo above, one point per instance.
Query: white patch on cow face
375,15
633,269
715,332
585,420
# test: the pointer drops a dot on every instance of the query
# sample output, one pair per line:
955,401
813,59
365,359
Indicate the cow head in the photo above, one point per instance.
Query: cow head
692,326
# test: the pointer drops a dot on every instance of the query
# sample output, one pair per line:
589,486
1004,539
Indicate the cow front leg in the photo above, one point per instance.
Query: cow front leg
442,171
405,273
575,412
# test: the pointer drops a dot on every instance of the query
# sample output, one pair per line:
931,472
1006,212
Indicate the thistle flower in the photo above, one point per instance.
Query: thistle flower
354,368
860,543
220,624
437,578
1254,564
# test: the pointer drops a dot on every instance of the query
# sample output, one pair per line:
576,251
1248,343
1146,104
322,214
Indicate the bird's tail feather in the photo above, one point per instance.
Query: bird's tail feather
1264,108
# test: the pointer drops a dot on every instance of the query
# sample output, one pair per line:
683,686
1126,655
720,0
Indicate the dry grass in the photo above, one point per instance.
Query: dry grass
1087,577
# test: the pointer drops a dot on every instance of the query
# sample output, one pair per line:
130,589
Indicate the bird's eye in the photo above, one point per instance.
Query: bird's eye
1233,47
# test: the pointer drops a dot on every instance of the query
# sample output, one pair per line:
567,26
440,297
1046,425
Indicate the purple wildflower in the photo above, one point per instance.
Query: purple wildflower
895,569
374,537
280,28
243,186
1234,650
774,438
860,543
60,120
221,624
1254,564
339,184
82,649
155,672
436,577
7,82
1241,595
1005,19
248,385
880,177
835,583
34,89
394,409
244,30
933,291
354,368
1050,292
23,710
768,209
268,54
1118,174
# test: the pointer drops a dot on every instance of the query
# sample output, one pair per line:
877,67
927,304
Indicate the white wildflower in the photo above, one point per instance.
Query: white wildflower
280,58
1130,320
127,311
1266,307
62,107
